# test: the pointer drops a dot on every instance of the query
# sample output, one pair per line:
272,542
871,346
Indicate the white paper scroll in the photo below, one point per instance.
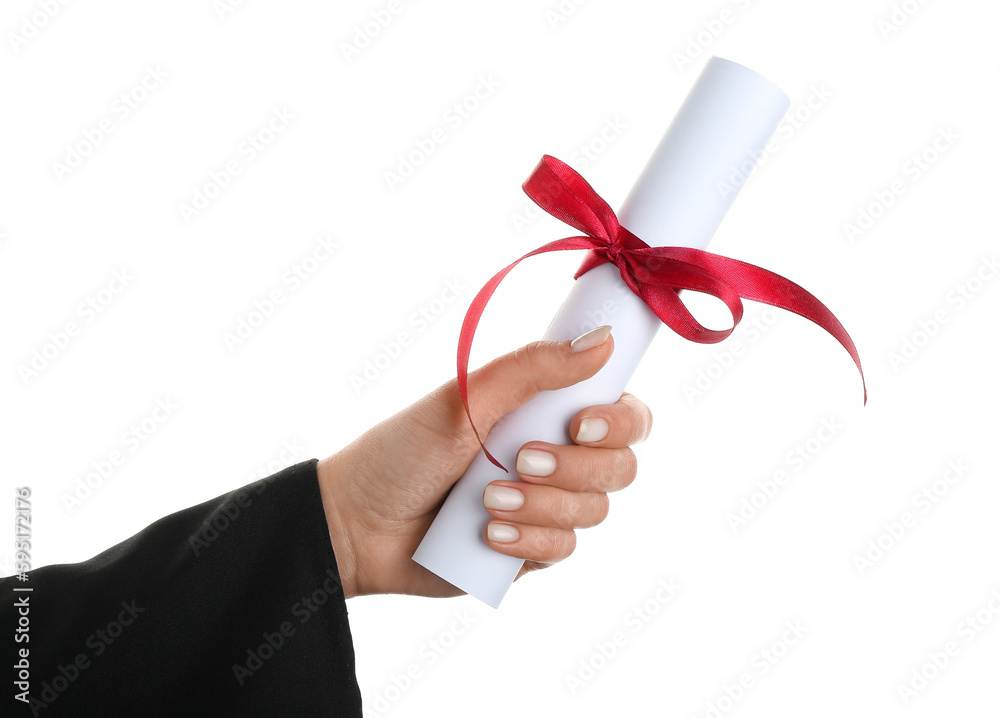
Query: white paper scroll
680,199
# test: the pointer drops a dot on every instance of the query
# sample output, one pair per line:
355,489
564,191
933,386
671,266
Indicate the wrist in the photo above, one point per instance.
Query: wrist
339,528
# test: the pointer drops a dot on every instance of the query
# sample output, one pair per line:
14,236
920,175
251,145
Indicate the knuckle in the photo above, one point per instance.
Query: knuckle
560,543
528,355
541,545
626,467
522,355
648,425
528,361
566,511
556,544
642,418
569,543
602,506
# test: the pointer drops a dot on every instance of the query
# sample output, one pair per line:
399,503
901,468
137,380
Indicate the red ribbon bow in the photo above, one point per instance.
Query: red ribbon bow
655,274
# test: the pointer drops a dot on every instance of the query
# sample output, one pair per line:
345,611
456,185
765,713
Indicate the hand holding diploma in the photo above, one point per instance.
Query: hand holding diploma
638,267
382,491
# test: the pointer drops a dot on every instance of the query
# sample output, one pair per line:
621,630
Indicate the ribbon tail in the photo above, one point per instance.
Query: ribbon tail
760,285
475,313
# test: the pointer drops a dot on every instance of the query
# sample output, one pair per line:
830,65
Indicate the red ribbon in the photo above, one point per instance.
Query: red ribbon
655,274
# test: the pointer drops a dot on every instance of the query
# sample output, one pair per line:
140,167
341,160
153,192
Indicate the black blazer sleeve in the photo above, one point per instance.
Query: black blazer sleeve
233,607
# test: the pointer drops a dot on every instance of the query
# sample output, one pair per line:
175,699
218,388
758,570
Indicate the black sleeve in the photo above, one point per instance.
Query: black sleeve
233,607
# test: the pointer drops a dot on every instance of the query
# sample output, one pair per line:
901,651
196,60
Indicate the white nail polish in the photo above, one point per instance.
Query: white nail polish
533,462
502,498
502,533
593,338
593,429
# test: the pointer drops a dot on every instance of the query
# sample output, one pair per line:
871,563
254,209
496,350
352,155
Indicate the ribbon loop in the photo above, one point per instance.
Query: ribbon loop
655,274
562,192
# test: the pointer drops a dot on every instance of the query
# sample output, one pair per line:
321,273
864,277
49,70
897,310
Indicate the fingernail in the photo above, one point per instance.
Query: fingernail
533,462
503,498
593,338
501,533
593,429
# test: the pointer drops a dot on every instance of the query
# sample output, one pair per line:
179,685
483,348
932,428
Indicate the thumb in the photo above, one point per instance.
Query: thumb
509,381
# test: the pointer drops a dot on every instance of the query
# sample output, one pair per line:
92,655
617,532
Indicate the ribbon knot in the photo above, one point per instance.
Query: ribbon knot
654,274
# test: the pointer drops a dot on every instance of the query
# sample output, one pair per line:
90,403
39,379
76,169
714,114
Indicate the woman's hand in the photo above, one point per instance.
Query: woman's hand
382,491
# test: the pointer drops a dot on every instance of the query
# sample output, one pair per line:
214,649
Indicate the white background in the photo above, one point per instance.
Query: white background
563,72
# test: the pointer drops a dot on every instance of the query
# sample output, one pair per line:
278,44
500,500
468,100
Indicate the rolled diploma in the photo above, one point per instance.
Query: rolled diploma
680,199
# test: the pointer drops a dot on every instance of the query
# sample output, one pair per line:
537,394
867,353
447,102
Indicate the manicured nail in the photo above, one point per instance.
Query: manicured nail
593,429
533,462
593,338
501,533
503,498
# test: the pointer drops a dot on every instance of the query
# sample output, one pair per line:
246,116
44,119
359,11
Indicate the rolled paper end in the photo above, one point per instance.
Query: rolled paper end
705,157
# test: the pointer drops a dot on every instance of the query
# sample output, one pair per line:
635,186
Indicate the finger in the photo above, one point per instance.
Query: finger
523,503
616,425
576,468
505,383
532,543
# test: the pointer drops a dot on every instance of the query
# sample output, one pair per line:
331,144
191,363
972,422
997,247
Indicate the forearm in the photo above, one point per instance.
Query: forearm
228,607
